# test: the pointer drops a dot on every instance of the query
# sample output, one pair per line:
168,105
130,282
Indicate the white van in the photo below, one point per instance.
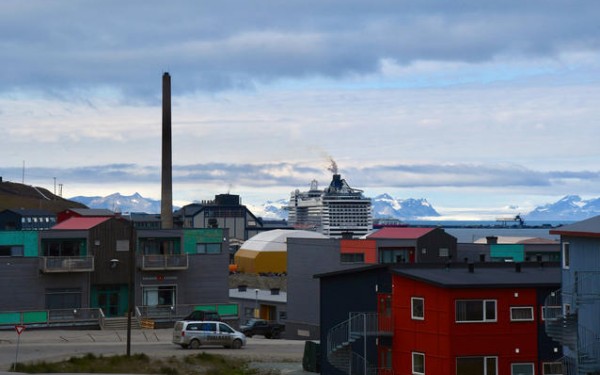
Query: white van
193,334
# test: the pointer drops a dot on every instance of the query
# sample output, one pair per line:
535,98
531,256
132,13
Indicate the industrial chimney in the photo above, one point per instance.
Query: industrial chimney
166,198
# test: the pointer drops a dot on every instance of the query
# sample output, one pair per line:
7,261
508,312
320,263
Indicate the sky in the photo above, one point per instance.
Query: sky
484,108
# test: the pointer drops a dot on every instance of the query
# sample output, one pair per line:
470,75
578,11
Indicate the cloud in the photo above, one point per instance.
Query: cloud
291,176
216,45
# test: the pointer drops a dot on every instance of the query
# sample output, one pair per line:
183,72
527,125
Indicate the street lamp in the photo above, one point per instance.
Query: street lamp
131,284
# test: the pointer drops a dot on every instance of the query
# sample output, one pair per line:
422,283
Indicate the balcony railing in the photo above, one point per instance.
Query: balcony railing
67,264
164,262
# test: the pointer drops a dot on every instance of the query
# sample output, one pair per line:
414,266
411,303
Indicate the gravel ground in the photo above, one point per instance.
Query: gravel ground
279,356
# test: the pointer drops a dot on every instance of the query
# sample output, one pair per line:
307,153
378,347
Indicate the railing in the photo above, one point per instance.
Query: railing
341,336
174,312
51,317
67,264
165,262
562,324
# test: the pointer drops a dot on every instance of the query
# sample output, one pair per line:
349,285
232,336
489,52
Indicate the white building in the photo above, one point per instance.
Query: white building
335,211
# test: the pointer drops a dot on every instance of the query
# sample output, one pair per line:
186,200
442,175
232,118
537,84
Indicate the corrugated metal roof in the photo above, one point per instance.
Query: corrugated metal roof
92,211
458,276
585,228
80,223
401,233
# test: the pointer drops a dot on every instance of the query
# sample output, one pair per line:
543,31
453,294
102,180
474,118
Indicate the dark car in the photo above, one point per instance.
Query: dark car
200,315
270,330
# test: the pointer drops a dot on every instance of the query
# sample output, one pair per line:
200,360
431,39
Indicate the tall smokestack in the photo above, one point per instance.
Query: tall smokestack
166,198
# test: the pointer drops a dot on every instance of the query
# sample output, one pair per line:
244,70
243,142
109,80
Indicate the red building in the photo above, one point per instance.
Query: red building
472,320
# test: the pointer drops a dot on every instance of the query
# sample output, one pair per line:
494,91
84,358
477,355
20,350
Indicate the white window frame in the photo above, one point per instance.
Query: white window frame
485,363
414,355
552,373
444,252
512,366
566,255
513,308
412,308
484,303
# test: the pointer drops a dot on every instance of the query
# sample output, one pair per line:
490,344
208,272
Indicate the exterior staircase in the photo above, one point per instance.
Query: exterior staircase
341,337
582,356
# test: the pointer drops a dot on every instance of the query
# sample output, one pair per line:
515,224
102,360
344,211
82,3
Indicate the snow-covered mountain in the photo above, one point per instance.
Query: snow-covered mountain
121,203
270,210
387,207
568,208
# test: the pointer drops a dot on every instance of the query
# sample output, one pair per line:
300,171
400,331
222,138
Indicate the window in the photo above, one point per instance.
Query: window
521,369
352,258
552,368
122,245
566,255
11,251
475,311
208,248
444,252
225,328
159,296
521,313
476,365
418,363
417,308
63,298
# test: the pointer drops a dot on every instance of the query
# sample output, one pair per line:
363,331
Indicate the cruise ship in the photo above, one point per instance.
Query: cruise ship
337,211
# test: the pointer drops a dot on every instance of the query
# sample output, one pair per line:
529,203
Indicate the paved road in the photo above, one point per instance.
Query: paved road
54,345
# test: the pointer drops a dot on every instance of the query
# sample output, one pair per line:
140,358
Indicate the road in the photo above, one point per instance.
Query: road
54,345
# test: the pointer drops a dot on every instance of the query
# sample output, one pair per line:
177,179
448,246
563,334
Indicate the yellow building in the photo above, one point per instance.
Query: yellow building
267,251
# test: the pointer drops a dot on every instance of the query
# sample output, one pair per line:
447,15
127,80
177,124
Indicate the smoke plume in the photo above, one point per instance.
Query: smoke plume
333,168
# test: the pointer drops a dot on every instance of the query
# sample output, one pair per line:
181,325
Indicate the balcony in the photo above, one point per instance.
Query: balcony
164,262
67,264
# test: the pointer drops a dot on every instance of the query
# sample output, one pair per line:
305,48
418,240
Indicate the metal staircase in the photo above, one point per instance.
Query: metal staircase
562,315
340,338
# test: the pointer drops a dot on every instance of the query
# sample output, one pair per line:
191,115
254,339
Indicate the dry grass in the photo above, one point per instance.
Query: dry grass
196,364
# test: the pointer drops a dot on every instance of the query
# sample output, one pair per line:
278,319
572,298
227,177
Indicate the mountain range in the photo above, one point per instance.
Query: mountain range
569,208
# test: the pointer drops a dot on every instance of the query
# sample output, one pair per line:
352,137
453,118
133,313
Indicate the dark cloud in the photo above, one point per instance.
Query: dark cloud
216,45
288,175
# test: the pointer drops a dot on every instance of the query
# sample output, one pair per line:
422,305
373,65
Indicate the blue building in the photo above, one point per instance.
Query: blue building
573,313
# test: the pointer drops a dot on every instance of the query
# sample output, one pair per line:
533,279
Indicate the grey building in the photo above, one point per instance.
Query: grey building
572,314
83,266
26,219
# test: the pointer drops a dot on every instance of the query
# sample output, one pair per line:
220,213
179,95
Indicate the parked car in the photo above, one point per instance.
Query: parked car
200,315
270,330
193,334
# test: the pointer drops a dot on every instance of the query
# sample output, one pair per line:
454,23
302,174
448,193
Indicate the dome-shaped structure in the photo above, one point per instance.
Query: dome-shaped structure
267,251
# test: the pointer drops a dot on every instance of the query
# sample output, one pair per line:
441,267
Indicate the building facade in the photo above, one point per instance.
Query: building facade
465,320
85,265
573,311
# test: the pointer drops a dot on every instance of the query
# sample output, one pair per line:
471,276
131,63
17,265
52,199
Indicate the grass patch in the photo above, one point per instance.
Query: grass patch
196,364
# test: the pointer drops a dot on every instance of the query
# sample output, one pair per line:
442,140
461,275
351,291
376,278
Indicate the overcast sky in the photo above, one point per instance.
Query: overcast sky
481,107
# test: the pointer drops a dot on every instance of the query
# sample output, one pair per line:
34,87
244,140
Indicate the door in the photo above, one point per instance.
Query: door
112,299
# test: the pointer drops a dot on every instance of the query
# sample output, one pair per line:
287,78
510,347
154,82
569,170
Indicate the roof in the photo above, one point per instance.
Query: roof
514,240
79,223
276,240
30,212
585,228
400,233
488,275
92,211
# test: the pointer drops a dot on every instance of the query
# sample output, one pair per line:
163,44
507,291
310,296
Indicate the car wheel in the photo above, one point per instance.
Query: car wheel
268,335
195,344
236,344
